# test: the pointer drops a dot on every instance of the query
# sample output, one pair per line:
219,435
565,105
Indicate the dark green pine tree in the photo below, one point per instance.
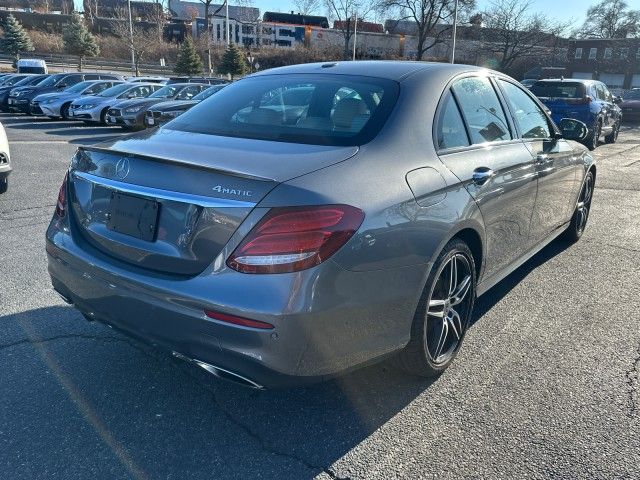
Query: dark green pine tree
15,39
189,62
78,40
233,62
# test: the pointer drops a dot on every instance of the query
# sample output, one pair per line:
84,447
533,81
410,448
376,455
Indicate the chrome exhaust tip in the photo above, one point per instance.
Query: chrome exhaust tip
219,372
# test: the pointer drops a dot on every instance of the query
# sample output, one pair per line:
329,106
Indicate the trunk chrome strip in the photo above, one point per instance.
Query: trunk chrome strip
206,202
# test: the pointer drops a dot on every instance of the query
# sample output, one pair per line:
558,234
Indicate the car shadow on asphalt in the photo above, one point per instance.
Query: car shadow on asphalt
168,417
502,288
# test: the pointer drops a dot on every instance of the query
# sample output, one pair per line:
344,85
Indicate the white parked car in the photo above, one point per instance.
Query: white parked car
32,65
5,161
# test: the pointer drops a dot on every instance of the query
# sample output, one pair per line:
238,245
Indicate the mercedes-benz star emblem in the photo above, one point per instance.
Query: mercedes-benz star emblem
122,168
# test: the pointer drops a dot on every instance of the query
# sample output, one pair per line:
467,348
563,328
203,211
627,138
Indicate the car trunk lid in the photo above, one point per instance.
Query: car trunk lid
173,209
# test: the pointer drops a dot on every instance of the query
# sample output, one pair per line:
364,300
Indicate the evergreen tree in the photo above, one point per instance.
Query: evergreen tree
233,62
189,62
78,40
15,39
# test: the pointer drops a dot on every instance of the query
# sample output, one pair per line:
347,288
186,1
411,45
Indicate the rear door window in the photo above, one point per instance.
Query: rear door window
481,110
531,120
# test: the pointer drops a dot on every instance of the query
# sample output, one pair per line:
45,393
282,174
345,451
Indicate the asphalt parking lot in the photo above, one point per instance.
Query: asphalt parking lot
546,386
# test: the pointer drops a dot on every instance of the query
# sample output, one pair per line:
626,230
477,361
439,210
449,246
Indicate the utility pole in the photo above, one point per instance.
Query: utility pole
455,30
133,55
355,35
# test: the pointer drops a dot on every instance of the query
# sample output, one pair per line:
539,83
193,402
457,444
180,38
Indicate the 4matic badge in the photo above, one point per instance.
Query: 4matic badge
232,191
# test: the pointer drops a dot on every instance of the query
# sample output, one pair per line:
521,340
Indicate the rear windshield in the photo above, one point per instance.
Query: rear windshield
632,95
558,89
116,90
208,92
314,109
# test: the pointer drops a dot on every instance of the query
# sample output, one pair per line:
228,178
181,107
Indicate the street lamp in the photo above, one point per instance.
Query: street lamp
133,55
455,29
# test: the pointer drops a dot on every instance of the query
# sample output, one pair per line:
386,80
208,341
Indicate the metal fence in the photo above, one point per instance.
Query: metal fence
68,63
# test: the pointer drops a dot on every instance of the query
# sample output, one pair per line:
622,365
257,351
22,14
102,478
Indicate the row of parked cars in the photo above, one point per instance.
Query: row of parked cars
109,99
589,101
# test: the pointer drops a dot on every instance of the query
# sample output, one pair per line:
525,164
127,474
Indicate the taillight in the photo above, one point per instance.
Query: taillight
579,101
61,205
295,238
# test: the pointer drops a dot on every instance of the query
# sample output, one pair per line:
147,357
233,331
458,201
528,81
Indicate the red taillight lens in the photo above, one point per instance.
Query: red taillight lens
295,238
579,101
245,322
61,205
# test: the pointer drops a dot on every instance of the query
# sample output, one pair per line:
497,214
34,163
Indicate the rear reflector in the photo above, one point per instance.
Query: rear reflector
245,322
295,238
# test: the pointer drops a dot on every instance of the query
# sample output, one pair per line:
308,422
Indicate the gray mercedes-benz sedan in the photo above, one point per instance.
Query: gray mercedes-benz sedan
310,219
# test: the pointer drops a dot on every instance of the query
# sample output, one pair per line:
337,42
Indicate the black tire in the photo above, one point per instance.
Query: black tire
591,142
581,214
417,357
103,116
613,136
4,185
64,111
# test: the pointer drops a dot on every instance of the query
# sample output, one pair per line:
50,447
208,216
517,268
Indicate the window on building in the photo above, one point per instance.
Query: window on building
608,53
578,53
638,53
218,31
624,52
593,52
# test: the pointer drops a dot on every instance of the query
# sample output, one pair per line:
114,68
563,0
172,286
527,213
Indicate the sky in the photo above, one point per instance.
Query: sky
565,10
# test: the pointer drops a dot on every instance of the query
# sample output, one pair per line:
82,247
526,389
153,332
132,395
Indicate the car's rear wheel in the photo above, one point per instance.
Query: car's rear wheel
442,317
613,136
581,213
4,185
591,142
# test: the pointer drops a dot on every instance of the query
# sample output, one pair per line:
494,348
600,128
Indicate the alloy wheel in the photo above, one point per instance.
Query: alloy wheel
584,202
448,308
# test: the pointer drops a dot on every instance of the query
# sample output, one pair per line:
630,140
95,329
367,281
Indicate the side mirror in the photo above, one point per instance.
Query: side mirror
573,129
617,99
60,86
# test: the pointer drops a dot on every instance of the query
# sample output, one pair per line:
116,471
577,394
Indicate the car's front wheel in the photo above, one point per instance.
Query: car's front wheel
581,213
443,314
64,111
613,136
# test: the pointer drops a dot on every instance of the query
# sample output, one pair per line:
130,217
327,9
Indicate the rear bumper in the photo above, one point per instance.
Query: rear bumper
327,320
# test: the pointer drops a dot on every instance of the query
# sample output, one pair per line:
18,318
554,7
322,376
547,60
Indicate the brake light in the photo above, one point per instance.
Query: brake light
245,322
579,101
61,205
295,238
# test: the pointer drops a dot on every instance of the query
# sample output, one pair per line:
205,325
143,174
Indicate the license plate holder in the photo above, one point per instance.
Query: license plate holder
133,216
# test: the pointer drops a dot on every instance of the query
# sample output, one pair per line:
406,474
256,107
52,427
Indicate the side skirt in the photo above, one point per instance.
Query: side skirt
487,284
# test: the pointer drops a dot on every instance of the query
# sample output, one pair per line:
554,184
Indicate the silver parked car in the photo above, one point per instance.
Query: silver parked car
310,219
93,108
57,104
5,161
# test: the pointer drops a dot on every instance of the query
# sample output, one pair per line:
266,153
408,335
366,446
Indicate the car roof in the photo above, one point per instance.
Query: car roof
389,69
574,80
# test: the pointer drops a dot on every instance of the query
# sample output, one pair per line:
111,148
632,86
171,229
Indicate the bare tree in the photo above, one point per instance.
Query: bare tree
346,12
138,42
307,7
512,33
157,16
611,19
433,19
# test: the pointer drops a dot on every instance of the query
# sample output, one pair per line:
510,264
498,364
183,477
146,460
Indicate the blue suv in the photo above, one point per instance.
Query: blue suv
589,101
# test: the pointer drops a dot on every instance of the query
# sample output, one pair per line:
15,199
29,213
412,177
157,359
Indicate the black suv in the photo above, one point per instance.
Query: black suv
20,98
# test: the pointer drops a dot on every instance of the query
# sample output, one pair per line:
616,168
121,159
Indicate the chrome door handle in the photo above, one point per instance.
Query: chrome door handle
542,158
481,175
